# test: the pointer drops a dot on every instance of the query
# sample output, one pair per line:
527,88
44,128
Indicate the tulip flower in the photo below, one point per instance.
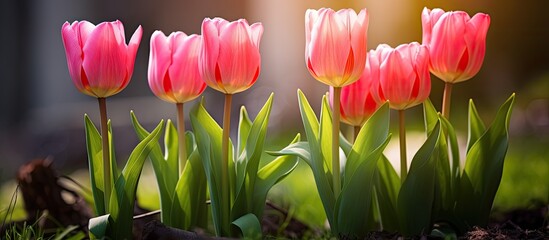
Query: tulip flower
335,54
457,44
335,47
404,81
100,65
230,63
174,75
99,60
357,103
230,59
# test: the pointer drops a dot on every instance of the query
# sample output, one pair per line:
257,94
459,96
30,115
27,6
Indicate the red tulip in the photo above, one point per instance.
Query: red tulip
335,49
173,67
357,101
404,78
99,60
457,43
230,60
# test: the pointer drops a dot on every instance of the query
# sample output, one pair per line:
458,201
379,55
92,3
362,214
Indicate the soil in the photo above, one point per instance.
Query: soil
43,192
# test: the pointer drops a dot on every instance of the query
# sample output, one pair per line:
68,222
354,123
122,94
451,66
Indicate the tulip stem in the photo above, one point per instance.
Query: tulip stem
402,136
446,100
106,152
335,142
181,136
225,197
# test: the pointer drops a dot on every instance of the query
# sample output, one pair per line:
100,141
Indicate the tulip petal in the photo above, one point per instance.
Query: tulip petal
105,61
210,52
475,39
159,61
73,51
132,47
186,81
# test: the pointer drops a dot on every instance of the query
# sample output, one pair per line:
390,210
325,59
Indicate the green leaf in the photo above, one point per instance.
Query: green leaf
483,169
165,177
326,137
248,163
269,175
249,226
208,138
355,201
98,226
95,162
244,126
430,116
189,202
323,182
122,200
372,134
416,196
387,185
475,125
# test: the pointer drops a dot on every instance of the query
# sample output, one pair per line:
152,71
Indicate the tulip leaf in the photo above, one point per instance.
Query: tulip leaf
249,226
98,226
271,174
483,168
244,126
95,161
475,125
208,137
430,116
165,176
322,179
387,185
122,200
372,134
355,202
326,137
249,161
189,201
416,196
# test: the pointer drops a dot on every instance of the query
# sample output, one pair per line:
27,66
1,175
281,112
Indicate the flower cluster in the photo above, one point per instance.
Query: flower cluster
363,85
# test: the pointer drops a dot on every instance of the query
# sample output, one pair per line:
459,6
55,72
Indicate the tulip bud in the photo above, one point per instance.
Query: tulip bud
99,60
230,60
173,67
335,47
404,78
457,43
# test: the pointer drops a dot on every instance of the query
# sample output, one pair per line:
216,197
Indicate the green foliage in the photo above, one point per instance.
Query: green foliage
121,203
182,196
249,185
349,212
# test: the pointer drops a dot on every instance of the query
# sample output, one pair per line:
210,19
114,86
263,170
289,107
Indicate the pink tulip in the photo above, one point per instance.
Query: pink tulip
404,78
99,60
335,47
173,67
357,101
457,43
230,60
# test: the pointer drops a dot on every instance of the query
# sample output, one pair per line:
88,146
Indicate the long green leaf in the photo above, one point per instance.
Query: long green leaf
323,183
269,175
254,148
430,116
98,226
123,198
189,203
483,169
416,196
372,135
208,138
249,226
326,137
355,202
475,125
387,184
95,162
165,178
244,126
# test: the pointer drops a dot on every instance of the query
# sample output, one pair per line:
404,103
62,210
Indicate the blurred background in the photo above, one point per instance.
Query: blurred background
41,112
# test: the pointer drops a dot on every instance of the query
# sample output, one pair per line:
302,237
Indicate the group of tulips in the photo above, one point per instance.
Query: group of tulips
226,57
